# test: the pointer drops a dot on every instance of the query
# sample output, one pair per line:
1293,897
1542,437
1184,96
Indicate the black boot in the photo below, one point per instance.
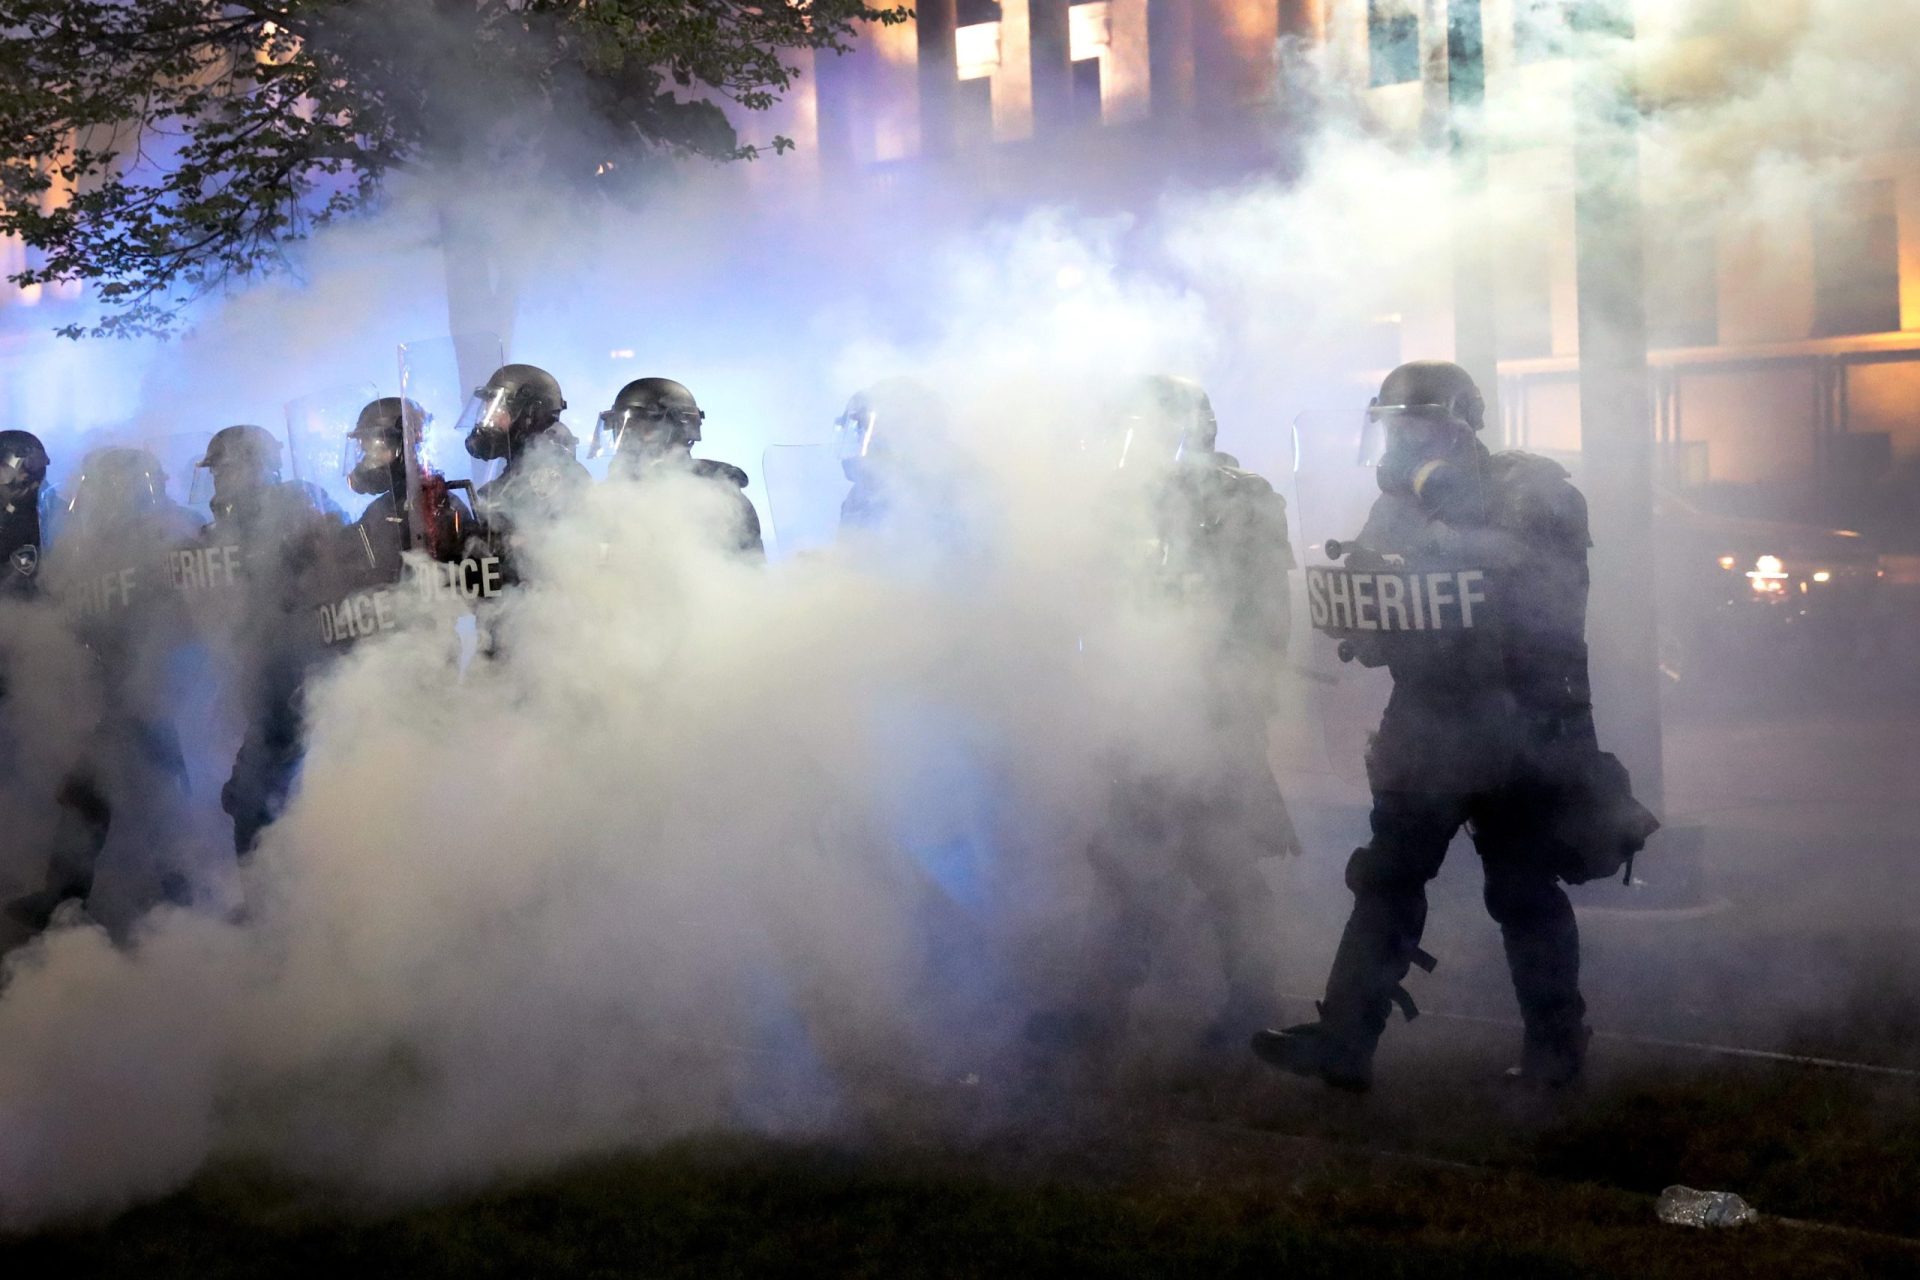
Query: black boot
1314,1049
1551,1061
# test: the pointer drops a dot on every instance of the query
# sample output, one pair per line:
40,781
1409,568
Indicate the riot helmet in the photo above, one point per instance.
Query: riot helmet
23,469
879,421
374,459
651,419
1427,410
116,486
1164,420
240,460
518,402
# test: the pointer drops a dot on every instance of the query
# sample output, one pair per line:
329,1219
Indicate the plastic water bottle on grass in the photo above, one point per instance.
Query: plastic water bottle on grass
1685,1207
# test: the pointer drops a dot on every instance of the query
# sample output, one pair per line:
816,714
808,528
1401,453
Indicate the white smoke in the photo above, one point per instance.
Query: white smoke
654,869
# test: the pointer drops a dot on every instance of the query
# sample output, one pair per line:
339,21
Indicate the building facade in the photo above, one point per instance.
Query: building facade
1777,353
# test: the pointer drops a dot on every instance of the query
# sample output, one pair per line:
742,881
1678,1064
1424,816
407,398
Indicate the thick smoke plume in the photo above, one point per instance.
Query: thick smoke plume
683,855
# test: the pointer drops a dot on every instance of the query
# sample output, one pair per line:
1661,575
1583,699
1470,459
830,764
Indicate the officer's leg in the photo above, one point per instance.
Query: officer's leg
1240,908
263,772
86,817
1223,841
1130,911
1543,951
1389,878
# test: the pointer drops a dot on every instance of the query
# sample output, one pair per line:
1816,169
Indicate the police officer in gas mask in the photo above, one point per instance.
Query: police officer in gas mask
25,500
513,422
1489,727
894,447
376,467
1205,537
649,433
108,573
245,577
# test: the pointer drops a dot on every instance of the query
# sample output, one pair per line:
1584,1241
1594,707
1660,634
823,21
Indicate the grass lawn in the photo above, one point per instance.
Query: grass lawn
1262,1179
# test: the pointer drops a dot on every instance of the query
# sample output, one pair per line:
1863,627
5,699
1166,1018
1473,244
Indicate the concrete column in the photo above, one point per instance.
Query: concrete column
1615,417
1475,341
939,74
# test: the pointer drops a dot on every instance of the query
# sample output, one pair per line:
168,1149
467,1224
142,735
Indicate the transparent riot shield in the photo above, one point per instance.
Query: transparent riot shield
317,426
806,488
438,376
1333,495
441,375
179,454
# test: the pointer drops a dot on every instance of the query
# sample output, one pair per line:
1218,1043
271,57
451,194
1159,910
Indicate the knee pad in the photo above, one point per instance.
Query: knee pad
1374,869
1521,898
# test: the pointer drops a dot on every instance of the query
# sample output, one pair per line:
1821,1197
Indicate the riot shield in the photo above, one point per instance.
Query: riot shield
806,488
316,438
178,453
438,376
1333,495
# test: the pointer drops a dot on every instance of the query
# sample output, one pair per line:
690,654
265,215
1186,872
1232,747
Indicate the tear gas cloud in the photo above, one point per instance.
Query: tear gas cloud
665,865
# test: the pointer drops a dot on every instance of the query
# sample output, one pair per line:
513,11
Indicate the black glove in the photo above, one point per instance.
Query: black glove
1451,493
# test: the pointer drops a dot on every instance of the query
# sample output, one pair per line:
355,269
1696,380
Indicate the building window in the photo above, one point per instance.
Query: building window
1683,279
1393,41
970,13
1539,30
973,112
1856,262
1089,40
1086,90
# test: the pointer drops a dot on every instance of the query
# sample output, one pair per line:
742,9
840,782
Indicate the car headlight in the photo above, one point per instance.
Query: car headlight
1768,577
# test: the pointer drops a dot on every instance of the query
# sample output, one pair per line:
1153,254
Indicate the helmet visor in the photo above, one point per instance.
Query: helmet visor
853,433
116,489
644,428
368,451
1419,427
486,413
19,476
1149,439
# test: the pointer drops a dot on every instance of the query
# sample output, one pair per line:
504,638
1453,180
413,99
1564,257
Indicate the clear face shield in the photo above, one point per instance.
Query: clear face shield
487,423
645,431
20,480
115,490
1420,430
1148,440
224,481
367,461
854,435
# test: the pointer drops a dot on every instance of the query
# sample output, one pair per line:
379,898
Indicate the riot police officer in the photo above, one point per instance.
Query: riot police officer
24,503
650,431
1219,550
354,592
887,436
108,573
1482,727
244,575
514,421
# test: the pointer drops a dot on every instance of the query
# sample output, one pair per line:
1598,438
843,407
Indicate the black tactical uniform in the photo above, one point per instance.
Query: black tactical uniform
1482,728
885,437
109,574
360,587
1220,549
515,419
650,432
24,502
244,577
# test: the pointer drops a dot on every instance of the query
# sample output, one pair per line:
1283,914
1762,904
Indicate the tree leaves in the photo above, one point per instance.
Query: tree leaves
156,149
